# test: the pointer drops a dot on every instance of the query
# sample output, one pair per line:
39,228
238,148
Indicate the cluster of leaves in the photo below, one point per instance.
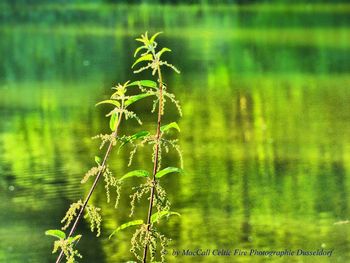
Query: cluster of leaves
65,244
120,102
142,138
147,234
150,55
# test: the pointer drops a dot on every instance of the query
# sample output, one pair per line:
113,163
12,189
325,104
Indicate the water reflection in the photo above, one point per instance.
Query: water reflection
249,181
264,134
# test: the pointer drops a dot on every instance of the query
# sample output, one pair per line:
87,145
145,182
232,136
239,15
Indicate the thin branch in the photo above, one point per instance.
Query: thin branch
156,159
103,165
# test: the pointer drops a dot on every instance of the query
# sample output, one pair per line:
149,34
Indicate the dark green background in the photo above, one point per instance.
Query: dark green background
265,132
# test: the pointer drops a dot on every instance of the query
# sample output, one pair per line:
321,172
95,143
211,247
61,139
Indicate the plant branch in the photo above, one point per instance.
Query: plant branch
110,146
155,164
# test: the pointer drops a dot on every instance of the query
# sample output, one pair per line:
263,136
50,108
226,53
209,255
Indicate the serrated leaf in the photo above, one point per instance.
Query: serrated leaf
168,170
172,125
126,225
154,37
139,49
147,57
113,121
56,233
164,49
158,215
113,102
144,83
135,98
73,239
135,173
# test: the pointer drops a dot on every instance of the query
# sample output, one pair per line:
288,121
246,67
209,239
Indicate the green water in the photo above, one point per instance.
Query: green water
265,132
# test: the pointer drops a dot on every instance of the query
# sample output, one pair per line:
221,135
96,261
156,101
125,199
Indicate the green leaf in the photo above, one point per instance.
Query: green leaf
144,38
56,233
147,57
113,121
138,50
98,160
168,170
135,98
73,239
164,49
172,125
113,102
138,135
154,37
135,173
144,83
126,225
158,215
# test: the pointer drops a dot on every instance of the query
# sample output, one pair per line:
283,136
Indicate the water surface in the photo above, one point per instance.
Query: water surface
265,132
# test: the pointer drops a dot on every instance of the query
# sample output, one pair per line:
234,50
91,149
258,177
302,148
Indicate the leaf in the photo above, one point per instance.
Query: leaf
154,37
138,135
135,98
135,173
156,216
168,170
144,38
143,58
98,160
113,102
56,233
126,225
138,50
164,49
73,239
113,121
145,83
172,125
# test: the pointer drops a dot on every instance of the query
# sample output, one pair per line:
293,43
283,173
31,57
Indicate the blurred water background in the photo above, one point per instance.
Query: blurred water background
265,132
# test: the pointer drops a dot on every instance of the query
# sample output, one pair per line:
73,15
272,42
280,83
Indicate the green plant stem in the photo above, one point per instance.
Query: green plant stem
155,165
110,146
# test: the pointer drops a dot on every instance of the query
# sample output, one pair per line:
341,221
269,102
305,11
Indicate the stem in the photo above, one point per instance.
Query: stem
155,166
110,146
